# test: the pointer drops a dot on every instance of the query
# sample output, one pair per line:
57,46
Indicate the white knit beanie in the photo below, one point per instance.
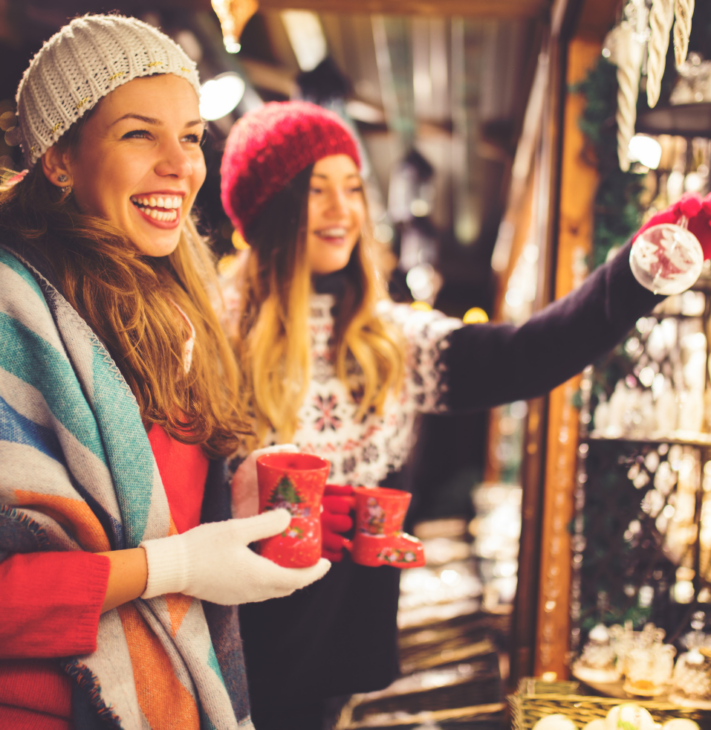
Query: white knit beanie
82,63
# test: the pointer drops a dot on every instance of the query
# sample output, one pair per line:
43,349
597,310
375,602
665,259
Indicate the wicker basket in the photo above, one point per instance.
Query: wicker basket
535,699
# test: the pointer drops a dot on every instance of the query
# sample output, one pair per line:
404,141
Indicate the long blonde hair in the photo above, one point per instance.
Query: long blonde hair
129,300
272,340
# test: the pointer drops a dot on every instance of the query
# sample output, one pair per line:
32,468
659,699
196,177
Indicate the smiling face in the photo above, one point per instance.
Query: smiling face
336,214
139,164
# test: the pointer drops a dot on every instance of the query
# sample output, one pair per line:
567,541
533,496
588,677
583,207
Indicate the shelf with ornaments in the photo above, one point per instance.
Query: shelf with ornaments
642,560
642,526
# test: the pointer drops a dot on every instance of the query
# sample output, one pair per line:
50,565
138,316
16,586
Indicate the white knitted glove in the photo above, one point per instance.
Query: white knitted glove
245,489
212,562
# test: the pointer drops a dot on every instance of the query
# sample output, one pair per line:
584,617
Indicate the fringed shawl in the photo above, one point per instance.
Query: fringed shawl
77,473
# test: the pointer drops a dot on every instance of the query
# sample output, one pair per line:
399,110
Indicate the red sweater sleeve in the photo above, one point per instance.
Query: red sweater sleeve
50,603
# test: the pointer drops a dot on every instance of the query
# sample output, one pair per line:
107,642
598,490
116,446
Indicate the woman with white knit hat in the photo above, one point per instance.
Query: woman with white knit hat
120,568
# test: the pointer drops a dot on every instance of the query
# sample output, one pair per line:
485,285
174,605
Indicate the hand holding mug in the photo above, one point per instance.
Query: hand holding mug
338,504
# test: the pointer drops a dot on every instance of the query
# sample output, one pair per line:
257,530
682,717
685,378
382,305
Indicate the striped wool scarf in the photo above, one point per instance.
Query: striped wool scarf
77,473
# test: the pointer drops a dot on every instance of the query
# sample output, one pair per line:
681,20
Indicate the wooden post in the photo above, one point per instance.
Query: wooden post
577,192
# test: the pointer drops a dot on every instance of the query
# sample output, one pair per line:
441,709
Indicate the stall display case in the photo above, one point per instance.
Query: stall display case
641,533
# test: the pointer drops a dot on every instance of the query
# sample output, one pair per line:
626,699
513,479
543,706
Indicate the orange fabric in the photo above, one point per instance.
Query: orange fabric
178,606
165,702
75,516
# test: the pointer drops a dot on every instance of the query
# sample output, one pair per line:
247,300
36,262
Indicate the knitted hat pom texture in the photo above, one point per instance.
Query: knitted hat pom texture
268,147
83,62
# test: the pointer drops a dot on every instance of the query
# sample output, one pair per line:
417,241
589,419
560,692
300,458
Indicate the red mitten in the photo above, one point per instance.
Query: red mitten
338,502
698,213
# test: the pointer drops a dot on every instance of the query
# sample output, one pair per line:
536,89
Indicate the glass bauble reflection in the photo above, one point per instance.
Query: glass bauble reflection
666,259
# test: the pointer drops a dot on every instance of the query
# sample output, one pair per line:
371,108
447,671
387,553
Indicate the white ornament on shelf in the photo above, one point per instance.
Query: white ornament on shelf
597,662
683,12
660,20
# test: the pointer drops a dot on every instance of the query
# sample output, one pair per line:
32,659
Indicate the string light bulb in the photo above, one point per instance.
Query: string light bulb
475,315
234,15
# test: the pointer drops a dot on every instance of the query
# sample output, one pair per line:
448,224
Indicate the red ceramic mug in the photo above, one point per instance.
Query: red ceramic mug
379,539
294,482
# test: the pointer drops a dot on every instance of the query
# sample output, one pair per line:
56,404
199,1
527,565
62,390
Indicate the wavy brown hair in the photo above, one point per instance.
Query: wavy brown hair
272,339
129,300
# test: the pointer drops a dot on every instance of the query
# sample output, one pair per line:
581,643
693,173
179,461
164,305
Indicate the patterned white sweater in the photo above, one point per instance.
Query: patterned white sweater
364,452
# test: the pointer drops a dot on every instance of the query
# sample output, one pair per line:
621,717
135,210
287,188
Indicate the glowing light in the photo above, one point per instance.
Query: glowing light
421,281
306,37
421,306
645,150
475,315
419,208
219,96
646,376
383,233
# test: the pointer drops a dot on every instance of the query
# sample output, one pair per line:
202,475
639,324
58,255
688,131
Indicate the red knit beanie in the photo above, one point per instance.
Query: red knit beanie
270,146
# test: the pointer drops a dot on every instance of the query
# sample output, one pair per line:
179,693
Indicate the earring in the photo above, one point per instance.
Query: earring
65,189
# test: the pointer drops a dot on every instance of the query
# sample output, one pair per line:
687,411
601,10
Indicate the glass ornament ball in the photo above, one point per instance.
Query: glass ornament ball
666,259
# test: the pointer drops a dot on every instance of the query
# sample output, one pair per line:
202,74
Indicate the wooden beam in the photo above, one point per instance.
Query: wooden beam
469,8
578,187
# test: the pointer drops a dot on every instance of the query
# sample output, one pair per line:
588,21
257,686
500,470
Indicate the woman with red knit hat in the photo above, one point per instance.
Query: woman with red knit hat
334,366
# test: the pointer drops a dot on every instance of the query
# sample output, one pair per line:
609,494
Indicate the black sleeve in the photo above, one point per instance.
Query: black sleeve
487,365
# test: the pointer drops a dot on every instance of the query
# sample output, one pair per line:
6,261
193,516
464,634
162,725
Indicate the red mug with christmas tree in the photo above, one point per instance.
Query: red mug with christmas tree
379,539
295,482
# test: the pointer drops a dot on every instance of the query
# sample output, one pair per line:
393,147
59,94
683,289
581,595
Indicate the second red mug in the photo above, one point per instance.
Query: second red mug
378,538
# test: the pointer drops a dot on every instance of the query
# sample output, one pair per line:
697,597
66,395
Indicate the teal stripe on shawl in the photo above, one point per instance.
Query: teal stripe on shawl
30,358
127,448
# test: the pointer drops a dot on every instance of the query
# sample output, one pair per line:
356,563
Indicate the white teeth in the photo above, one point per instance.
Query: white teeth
333,232
159,208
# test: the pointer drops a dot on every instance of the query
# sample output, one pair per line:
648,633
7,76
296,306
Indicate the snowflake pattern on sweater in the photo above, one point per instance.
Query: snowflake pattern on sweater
364,452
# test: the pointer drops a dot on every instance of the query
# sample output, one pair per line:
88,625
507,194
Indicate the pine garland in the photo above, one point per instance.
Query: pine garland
618,212
614,501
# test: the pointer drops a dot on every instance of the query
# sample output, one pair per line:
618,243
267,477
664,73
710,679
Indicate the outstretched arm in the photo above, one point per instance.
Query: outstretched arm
487,365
